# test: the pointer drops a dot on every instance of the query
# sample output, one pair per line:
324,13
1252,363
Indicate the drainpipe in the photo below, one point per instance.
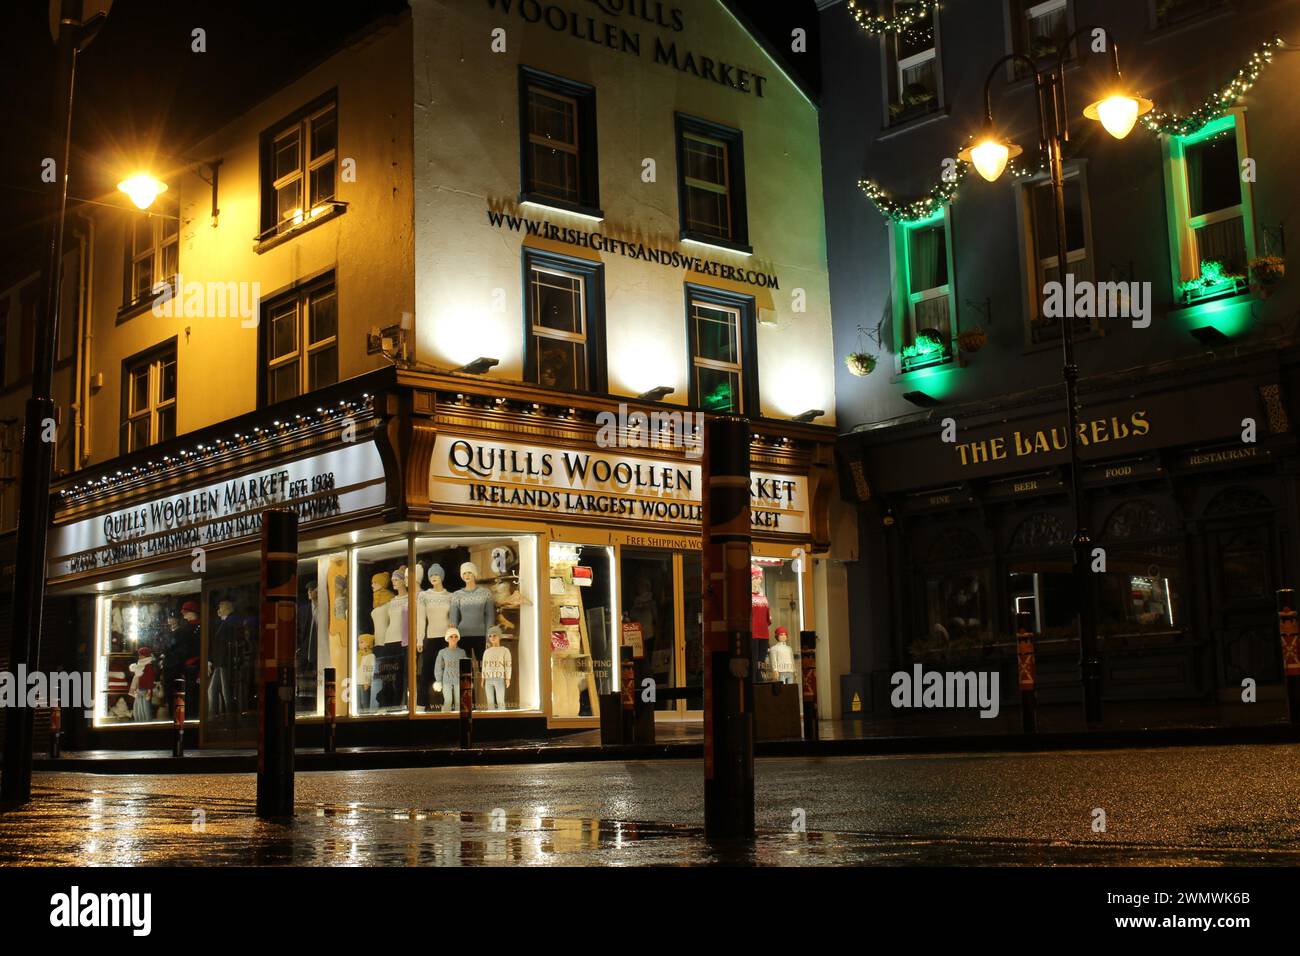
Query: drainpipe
81,407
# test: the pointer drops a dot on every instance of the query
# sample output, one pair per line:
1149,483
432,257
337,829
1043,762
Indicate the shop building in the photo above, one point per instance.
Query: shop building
1188,410
427,198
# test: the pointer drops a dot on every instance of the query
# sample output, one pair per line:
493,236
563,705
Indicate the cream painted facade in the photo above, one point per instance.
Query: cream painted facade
469,294
369,247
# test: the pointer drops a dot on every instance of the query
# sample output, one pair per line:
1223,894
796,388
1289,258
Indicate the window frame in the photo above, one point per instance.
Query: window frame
301,124
892,66
703,130
1035,264
152,360
1184,256
586,146
159,242
1018,35
904,299
745,308
1212,8
300,294
592,297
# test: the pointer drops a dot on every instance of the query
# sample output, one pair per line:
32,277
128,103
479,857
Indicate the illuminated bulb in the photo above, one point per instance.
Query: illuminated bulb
143,189
1118,112
990,159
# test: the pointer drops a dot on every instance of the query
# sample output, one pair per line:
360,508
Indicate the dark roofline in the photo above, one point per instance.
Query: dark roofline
761,39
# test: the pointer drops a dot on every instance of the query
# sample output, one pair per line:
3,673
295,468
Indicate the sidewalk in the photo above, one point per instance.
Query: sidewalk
1061,727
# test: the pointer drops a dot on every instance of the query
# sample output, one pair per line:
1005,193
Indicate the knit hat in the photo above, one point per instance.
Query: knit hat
399,577
494,630
190,607
436,571
781,630
379,580
145,651
755,571
469,567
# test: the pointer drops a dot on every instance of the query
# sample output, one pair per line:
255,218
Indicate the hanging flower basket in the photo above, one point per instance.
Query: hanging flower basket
972,339
1267,273
860,363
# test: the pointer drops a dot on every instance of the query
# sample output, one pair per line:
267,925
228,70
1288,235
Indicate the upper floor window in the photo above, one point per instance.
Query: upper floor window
564,302
1043,264
923,311
1039,29
558,133
300,342
912,56
711,183
153,247
1212,221
721,330
300,167
1167,13
149,398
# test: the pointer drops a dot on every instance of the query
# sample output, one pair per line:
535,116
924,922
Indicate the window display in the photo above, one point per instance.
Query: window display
648,616
232,659
322,629
776,586
384,612
581,626
146,639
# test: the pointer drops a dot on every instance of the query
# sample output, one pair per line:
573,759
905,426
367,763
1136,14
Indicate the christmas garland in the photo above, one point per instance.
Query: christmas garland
914,15
1213,106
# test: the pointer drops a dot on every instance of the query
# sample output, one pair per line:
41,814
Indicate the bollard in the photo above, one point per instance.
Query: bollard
279,621
808,675
56,731
627,665
331,710
178,716
1289,632
1027,676
466,703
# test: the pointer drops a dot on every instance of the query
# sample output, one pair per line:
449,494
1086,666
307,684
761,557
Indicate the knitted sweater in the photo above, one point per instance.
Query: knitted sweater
781,656
446,669
473,612
435,608
496,663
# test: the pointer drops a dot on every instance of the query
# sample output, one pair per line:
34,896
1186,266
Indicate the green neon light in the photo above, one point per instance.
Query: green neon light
1209,130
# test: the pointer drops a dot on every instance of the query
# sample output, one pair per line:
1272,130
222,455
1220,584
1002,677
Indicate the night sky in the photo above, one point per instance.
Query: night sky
138,82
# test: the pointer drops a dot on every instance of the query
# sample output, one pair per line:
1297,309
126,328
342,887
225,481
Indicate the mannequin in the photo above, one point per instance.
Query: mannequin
219,649
397,638
497,670
432,608
365,670
186,649
305,652
336,585
780,657
762,615
473,611
142,685
379,598
447,671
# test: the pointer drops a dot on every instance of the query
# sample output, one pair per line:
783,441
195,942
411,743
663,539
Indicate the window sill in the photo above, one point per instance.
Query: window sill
891,130
132,309
1226,294
726,245
575,209
266,245
1031,347
905,376
1227,300
1157,33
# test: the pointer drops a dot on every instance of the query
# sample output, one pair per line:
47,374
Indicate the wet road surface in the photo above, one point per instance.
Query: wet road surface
1193,806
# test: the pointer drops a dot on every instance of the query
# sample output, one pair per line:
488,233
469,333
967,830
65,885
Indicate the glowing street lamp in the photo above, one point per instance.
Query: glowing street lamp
1118,112
989,154
143,189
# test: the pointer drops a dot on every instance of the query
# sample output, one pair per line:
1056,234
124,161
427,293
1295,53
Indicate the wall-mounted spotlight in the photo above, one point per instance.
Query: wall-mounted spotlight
656,394
921,399
479,365
809,416
1209,336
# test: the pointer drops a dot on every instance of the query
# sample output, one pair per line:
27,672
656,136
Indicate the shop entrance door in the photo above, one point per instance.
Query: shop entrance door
229,675
661,614
1242,606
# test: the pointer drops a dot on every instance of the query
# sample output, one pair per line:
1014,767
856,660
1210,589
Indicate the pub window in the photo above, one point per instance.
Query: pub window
149,398
565,305
153,244
558,140
1042,266
711,183
923,309
913,80
300,168
300,342
1038,30
1168,13
1212,220
721,330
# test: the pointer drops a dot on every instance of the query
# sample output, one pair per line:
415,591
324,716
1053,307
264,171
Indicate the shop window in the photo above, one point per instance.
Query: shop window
777,605
1043,266
958,612
384,627
1211,218
558,133
146,640
232,677
153,243
300,168
1168,13
149,398
565,303
482,591
322,638
721,331
1140,592
581,628
914,79
924,315
711,183
300,345
649,617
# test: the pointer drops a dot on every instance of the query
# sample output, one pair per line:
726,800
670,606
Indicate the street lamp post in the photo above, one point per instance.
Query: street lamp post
1118,111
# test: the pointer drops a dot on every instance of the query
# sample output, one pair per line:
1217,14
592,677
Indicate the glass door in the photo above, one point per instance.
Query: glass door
650,616
231,672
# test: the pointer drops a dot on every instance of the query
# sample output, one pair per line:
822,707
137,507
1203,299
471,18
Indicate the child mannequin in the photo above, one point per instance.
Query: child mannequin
365,669
780,657
446,671
497,670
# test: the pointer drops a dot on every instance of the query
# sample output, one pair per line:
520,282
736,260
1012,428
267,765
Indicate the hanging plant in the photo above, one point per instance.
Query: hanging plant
972,339
928,341
860,363
1267,273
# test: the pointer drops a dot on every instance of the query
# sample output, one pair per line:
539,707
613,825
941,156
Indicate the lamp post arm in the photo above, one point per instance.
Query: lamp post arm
1038,88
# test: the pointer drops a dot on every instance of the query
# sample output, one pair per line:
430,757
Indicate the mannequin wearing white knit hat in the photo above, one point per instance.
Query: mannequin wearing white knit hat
472,611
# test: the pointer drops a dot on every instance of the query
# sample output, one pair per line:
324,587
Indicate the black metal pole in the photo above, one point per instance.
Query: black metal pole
279,668
728,668
331,709
38,435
